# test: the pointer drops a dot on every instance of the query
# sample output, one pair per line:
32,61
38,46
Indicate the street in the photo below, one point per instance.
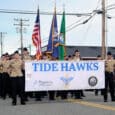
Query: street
89,105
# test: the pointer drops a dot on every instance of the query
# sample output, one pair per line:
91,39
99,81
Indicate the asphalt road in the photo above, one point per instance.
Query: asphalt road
89,105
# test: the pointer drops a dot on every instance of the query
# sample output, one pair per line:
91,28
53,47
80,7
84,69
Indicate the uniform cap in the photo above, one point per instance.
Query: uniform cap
109,53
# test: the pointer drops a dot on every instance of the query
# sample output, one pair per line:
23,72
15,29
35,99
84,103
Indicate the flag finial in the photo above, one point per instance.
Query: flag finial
55,5
63,6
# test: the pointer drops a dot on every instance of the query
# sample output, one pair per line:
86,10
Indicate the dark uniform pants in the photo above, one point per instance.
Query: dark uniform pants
17,84
109,84
1,84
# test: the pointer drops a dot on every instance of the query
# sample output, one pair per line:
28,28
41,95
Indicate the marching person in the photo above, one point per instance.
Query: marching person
78,93
17,81
26,57
41,94
5,76
53,92
109,67
97,90
114,77
1,75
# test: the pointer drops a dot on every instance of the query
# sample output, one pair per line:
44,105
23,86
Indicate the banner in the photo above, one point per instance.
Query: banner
64,75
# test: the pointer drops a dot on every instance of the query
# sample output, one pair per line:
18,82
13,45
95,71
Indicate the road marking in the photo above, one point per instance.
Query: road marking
92,104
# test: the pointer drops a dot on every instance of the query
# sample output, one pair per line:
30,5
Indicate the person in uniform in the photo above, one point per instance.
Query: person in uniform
26,57
5,76
97,90
41,94
109,69
78,93
1,74
52,93
114,77
17,81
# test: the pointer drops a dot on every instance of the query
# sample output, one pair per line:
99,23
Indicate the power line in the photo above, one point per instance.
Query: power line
41,12
111,5
73,24
81,23
112,8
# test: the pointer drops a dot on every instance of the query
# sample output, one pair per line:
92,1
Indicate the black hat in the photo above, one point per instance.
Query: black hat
76,50
6,54
16,52
25,49
109,53
98,55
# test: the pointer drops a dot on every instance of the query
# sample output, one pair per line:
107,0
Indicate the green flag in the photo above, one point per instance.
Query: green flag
62,36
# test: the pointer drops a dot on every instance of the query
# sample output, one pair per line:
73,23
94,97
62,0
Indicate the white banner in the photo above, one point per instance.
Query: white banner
64,75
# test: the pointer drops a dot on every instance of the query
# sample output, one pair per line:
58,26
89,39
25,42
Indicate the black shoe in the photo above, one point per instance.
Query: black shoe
78,98
4,98
105,100
51,99
26,99
113,100
38,99
96,94
83,95
63,97
14,103
23,103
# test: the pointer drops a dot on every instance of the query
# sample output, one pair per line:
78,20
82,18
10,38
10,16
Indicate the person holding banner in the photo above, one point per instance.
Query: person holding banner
79,93
26,57
40,94
53,92
1,76
5,76
17,81
97,90
109,67
114,77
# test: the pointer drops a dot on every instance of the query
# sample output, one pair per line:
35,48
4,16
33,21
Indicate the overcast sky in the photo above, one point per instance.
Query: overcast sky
88,34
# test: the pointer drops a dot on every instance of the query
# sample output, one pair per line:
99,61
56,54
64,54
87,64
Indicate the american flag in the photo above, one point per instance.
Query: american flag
36,37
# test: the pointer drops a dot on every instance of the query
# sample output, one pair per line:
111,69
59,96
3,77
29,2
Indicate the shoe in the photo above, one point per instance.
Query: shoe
23,103
83,95
51,99
4,98
105,100
38,99
13,103
113,100
78,98
26,99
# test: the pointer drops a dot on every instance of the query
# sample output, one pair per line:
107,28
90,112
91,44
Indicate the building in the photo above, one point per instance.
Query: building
86,51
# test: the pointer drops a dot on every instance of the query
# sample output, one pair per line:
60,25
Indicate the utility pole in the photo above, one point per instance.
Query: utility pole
1,41
21,26
103,50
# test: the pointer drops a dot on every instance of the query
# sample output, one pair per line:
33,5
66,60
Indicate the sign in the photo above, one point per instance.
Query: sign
64,75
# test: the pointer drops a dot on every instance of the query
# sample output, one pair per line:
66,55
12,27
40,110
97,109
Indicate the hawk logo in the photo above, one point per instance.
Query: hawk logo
66,80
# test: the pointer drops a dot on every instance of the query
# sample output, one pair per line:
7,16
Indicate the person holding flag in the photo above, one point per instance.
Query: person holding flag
36,38
52,47
62,51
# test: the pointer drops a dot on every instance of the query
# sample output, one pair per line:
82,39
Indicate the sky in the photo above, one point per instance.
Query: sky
88,34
